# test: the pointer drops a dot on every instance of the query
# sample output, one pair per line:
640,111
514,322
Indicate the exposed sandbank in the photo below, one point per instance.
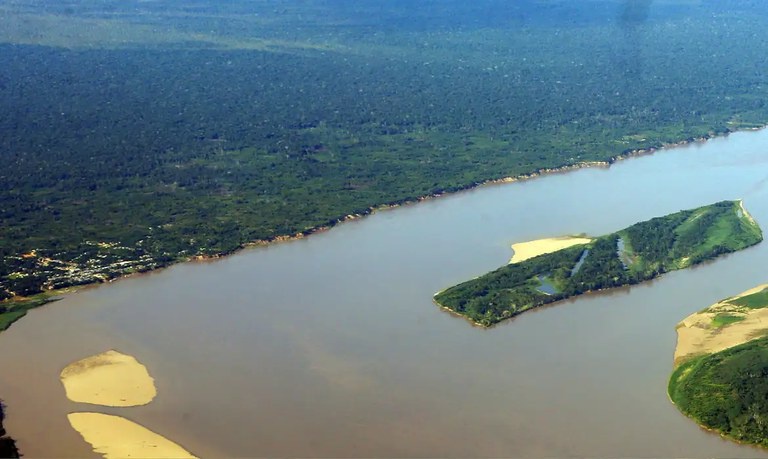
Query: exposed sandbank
116,437
745,213
525,250
109,379
698,333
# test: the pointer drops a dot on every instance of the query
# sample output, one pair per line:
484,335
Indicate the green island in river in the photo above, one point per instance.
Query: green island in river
638,253
720,371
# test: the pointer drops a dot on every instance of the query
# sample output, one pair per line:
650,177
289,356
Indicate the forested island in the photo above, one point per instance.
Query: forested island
635,254
721,375
139,134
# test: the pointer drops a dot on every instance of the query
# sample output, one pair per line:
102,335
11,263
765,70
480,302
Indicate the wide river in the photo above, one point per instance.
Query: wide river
331,346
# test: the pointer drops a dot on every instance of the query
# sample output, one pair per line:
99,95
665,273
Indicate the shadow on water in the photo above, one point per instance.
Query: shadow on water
632,18
7,444
634,13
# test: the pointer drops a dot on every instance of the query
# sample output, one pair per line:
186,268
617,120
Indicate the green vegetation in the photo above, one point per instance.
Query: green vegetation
757,300
136,134
635,254
14,309
727,391
724,319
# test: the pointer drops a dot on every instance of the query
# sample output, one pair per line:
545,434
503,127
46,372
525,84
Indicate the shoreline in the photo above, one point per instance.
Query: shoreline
600,291
461,316
746,213
710,431
538,173
53,295
531,310
354,217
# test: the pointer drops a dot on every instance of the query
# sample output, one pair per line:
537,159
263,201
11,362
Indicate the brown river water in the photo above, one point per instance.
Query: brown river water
331,346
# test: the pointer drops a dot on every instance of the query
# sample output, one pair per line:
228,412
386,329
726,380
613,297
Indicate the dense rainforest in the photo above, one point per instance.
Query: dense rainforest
727,391
635,254
135,134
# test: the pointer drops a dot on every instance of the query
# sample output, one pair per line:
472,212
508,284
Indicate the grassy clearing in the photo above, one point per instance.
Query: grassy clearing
724,319
757,300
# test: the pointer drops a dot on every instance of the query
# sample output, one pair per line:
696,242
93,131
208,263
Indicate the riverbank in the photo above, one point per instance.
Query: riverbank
285,239
15,308
417,249
147,266
719,366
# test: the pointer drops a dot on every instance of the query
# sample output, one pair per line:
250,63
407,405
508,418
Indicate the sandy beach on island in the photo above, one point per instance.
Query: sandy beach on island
116,437
525,250
744,211
108,379
696,334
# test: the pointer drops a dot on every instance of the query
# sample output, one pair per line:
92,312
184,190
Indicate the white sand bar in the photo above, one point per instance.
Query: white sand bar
530,249
116,437
109,379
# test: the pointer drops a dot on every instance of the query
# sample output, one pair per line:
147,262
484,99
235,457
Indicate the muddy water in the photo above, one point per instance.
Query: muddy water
331,346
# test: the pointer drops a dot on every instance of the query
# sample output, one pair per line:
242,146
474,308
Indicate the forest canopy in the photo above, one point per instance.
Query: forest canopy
727,391
137,134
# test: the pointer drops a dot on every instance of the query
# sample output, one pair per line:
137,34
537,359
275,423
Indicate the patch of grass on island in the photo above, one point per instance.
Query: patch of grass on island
635,254
723,384
757,300
724,319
